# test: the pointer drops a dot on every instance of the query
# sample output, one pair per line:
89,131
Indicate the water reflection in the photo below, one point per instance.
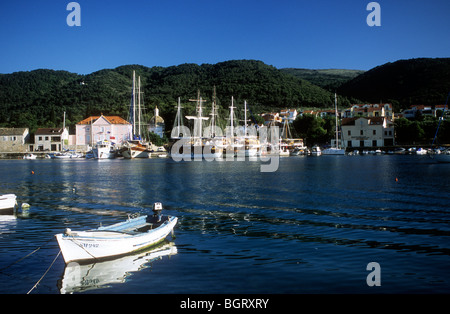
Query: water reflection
79,278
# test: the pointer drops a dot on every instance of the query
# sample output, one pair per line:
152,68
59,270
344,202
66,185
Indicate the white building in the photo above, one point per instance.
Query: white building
98,128
367,132
288,114
369,110
422,110
51,139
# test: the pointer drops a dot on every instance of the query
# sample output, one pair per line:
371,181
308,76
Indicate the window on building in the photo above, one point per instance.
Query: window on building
374,143
349,132
361,143
374,132
349,143
361,132
40,138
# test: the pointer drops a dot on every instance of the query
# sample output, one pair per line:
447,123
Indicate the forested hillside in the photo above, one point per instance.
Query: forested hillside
39,98
329,79
403,83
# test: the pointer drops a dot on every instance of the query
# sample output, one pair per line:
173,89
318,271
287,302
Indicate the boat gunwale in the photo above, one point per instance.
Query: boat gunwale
125,235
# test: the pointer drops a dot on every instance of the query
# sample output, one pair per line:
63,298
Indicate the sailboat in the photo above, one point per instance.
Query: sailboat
136,147
179,131
212,135
232,143
196,138
290,146
335,150
201,143
249,139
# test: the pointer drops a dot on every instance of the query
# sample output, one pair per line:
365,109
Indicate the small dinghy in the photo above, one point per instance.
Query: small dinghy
7,201
122,238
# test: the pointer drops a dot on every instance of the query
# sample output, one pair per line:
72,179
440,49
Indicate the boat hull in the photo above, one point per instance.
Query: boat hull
7,201
103,154
108,242
333,151
442,157
133,152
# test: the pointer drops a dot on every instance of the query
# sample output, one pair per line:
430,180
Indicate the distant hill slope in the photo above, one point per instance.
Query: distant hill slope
329,79
39,98
423,81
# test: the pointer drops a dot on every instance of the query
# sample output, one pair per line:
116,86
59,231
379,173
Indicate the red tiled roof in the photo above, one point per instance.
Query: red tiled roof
110,119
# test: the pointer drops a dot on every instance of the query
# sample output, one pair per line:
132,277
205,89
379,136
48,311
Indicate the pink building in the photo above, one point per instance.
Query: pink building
99,128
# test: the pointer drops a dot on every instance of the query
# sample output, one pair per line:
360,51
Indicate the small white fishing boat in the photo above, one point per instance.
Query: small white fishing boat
119,239
421,151
316,151
104,150
100,275
29,156
333,151
7,201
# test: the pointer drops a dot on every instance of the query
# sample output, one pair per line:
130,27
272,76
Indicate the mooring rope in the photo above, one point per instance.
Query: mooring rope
35,285
29,254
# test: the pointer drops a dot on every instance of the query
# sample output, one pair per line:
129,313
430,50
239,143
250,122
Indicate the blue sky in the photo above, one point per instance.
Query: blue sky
284,33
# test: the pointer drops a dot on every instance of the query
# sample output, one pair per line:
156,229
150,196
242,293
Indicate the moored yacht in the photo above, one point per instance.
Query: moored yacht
316,151
104,150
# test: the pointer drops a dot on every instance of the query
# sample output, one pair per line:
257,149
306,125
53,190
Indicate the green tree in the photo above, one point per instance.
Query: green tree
311,129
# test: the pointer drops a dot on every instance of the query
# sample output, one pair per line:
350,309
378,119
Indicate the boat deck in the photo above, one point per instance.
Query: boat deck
137,226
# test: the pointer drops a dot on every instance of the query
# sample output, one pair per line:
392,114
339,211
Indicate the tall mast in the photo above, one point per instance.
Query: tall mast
134,103
232,116
336,114
213,115
176,131
179,117
198,119
139,107
245,118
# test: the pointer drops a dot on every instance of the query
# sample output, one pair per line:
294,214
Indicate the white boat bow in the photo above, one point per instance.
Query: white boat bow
119,239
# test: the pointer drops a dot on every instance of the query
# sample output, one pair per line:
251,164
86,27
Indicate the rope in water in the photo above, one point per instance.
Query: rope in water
35,285
29,254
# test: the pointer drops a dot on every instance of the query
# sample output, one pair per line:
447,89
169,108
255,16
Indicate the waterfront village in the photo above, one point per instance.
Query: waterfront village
363,128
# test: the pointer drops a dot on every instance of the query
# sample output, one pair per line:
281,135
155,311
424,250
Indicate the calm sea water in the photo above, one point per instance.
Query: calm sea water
313,226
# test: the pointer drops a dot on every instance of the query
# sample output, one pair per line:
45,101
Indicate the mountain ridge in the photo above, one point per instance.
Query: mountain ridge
38,98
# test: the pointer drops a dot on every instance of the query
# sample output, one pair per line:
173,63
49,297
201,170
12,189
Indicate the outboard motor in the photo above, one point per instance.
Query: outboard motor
157,209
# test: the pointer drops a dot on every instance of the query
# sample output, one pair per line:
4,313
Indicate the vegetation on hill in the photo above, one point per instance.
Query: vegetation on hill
39,98
403,83
329,79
